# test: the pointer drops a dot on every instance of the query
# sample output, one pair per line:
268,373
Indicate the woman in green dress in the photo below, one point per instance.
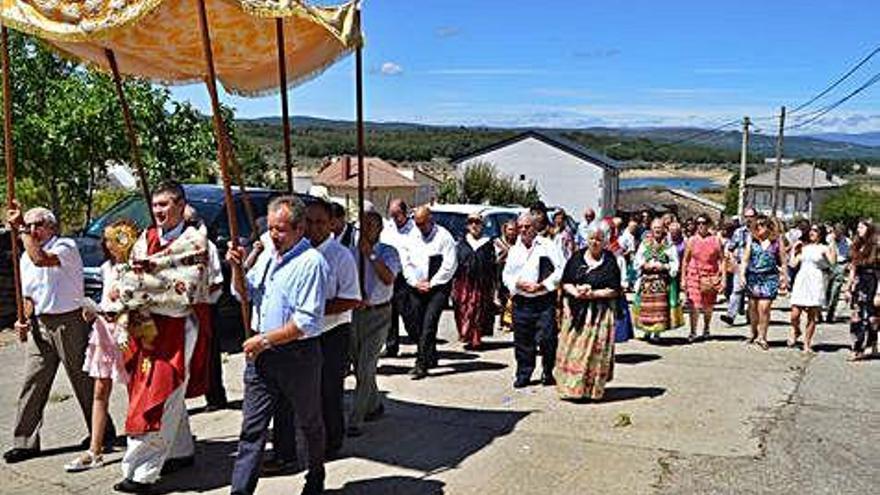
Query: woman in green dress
657,305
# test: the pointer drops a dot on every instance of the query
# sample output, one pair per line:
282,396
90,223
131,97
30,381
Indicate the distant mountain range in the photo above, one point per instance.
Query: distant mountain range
864,139
830,145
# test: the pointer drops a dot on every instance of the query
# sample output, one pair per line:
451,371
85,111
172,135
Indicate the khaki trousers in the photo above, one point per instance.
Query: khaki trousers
53,339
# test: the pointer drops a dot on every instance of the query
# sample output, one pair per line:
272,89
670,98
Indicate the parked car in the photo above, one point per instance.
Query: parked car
7,289
453,217
208,200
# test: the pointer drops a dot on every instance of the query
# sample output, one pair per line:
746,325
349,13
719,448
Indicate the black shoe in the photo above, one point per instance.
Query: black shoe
389,352
18,455
419,373
548,380
272,467
376,414
354,431
520,383
176,464
314,483
726,319
129,486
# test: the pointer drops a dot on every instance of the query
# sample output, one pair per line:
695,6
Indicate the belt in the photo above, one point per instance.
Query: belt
377,306
548,297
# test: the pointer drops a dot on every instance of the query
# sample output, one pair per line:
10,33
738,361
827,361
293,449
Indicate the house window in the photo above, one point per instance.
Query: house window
522,177
790,202
762,199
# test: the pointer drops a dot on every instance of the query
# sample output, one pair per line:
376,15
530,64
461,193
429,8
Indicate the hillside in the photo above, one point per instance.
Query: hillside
315,138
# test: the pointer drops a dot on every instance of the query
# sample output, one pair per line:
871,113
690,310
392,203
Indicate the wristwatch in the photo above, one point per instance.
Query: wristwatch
373,257
265,342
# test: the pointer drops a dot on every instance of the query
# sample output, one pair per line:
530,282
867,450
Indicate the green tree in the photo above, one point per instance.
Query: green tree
68,127
482,183
850,204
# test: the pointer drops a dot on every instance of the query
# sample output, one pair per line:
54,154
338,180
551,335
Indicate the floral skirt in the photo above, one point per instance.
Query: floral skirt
762,285
585,357
657,307
473,310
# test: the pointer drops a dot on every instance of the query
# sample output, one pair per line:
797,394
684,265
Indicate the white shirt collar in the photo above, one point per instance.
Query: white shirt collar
172,234
476,243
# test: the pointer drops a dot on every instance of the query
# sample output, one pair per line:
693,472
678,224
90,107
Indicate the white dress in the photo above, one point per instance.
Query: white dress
810,283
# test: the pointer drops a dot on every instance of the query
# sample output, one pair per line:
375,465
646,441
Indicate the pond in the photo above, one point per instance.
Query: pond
693,184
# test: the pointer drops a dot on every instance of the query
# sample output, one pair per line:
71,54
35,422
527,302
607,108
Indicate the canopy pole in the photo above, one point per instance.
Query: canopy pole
285,116
245,197
130,131
359,87
9,156
220,135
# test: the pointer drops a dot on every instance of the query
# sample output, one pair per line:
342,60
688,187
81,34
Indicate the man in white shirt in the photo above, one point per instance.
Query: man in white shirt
396,234
55,331
584,227
429,267
343,294
532,274
370,323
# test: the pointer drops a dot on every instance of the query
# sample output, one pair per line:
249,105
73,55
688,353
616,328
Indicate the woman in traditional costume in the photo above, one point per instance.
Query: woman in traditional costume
502,246
474,285
104,361
657,306
762,275
591,288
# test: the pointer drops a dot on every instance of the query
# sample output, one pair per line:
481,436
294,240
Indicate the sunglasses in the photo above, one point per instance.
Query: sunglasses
34,224
474,220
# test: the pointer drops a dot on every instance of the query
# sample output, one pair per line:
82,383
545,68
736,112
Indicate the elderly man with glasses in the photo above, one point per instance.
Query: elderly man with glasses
55,331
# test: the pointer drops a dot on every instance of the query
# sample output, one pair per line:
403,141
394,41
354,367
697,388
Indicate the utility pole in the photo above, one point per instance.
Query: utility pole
779,140
743,163
812,191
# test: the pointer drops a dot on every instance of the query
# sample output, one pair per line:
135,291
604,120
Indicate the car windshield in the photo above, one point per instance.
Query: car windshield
493,222
132,208
455,223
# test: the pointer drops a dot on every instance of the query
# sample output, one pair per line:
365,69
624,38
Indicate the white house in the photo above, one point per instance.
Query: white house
566,173
802,190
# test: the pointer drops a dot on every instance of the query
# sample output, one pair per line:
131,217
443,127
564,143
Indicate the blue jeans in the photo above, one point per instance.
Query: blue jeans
292,371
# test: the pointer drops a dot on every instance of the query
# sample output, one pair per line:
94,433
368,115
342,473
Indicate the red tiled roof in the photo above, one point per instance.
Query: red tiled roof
379,174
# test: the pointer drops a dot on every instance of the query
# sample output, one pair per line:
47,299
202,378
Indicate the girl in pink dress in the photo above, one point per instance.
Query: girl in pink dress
104,360
703,275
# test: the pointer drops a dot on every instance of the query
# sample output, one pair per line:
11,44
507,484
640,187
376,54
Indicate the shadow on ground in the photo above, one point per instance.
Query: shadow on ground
635,358
391,485
399,438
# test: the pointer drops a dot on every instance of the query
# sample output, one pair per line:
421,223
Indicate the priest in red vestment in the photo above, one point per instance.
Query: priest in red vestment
163,302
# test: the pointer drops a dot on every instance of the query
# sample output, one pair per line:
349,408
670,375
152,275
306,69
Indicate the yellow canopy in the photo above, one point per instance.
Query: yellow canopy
160,39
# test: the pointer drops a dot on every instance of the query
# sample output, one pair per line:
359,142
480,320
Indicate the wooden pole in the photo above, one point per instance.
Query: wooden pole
743,164
242,189
130,131
359,86
9,156
220,135
779,142
285,115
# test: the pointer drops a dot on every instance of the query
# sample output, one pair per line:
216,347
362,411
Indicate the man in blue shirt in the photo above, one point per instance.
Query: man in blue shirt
736,246
284,357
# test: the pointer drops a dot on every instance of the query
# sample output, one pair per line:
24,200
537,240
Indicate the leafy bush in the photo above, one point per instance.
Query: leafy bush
851,203
482,183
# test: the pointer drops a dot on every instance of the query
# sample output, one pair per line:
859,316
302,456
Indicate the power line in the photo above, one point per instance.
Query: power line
838,81
699,134
817,115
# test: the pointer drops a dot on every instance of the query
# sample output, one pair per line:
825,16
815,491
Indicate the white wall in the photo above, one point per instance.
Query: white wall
562,179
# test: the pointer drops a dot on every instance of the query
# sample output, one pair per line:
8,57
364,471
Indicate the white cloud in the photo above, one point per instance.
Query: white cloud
391,69
447,31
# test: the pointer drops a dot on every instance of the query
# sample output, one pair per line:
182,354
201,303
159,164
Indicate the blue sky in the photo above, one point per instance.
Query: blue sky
588,62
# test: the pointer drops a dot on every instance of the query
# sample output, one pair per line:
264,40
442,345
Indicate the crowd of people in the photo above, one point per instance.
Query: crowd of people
327,297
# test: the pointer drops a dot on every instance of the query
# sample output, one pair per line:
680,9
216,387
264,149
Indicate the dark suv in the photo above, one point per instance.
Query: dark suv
208,200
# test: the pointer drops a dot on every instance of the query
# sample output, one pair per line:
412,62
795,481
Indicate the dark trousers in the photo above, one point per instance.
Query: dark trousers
399,309
534,327
216,395
425,310
334,352
334,349
292,371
